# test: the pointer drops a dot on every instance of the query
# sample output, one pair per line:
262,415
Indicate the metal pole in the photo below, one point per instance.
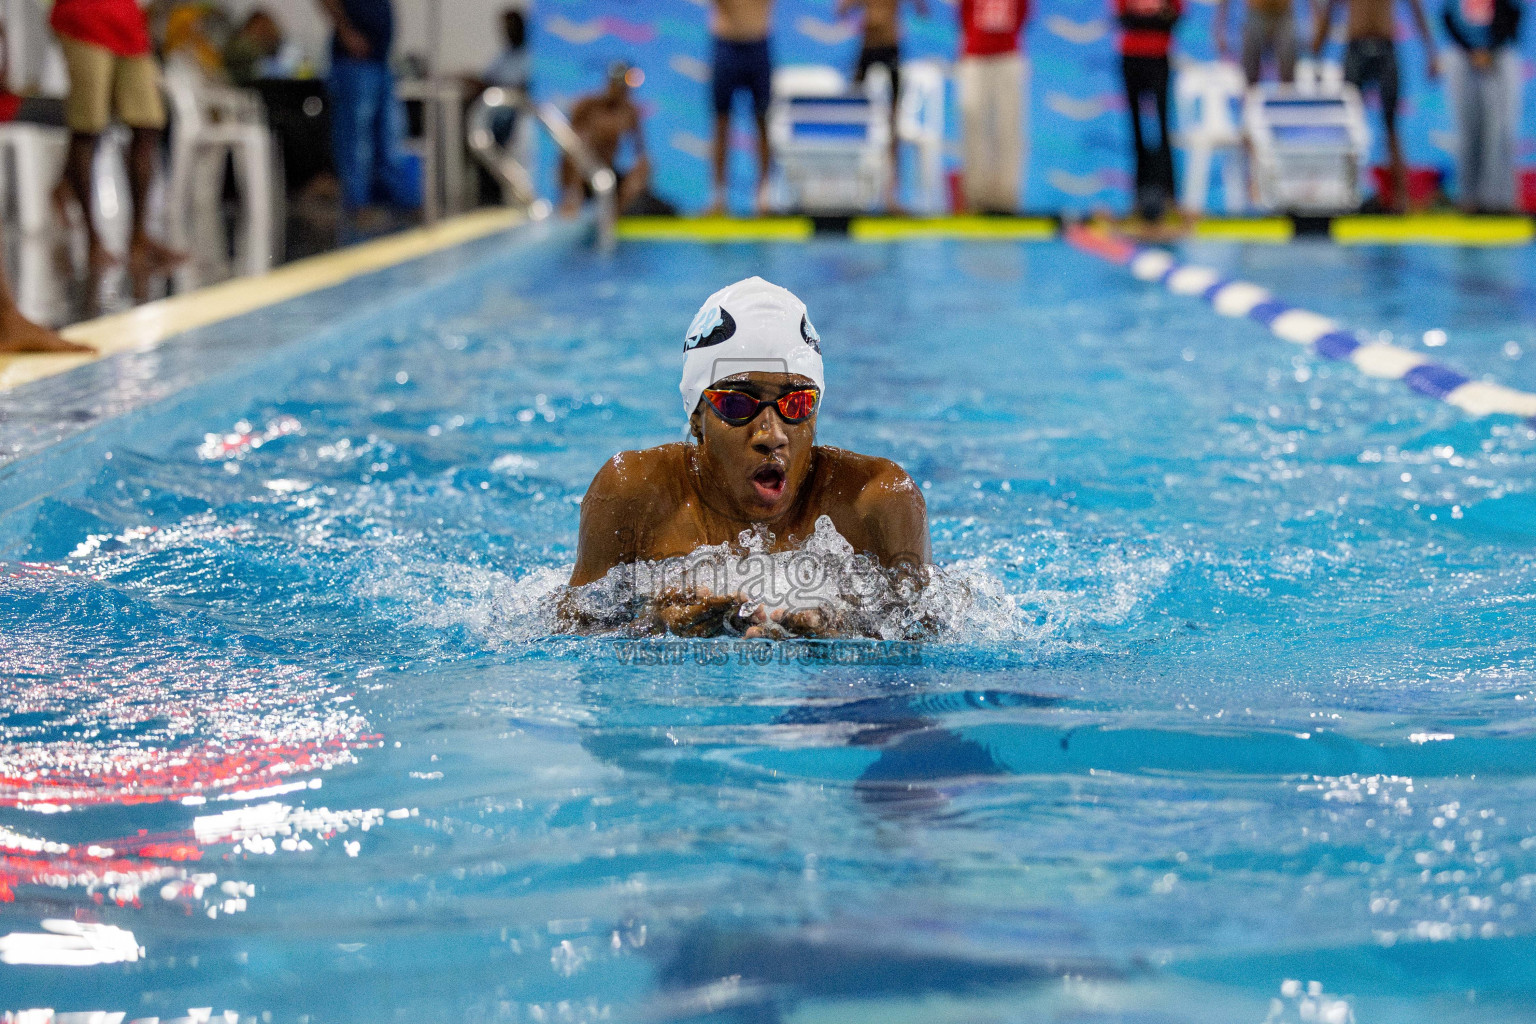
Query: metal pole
434,35
432,209
453,146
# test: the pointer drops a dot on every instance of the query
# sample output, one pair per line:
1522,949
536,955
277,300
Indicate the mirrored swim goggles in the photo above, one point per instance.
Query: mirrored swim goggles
739,408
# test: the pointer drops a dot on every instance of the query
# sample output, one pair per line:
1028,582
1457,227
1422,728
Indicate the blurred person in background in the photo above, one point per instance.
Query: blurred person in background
511,70
513,66
882,45
742,63
990,77
1483,73
1145,39
111,71
367,121
605,121
258,51
1269,30
1370,62
197,32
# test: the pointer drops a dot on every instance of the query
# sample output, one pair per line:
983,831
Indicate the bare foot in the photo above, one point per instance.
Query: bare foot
715,209
18,334
761,207
147,256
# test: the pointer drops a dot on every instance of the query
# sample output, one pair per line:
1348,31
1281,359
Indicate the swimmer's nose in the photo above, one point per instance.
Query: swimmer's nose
768,434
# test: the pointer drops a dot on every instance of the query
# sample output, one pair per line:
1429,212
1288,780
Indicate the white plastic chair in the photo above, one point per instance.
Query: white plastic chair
210,122
36,152
920,121
33,57
1205,95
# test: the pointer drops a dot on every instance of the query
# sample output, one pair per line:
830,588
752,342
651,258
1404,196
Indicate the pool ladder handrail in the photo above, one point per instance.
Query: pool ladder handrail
517,186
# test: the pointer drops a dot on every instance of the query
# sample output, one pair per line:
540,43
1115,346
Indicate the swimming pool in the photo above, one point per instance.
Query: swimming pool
1239,724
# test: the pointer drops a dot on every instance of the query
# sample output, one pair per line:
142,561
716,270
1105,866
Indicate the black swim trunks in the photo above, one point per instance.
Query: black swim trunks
890,56
742,66
1373,62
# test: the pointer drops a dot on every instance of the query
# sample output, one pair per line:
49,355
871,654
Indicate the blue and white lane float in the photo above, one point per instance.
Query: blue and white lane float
1312,330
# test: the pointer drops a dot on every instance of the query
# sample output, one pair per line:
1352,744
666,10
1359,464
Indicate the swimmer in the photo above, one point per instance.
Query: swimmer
752,389
603,121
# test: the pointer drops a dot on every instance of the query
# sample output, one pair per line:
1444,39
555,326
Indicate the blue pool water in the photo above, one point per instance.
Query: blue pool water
1239,723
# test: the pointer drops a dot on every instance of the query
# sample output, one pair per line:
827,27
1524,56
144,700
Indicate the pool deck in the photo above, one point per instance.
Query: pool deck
147,326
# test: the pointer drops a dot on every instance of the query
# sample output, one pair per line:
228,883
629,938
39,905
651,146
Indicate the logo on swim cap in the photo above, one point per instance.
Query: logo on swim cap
712,326
809,333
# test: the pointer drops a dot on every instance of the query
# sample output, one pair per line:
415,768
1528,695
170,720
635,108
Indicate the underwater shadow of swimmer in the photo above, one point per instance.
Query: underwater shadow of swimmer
759,976
917,755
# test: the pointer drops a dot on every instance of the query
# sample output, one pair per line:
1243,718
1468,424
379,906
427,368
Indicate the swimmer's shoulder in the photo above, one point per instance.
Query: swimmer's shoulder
642,477
854,474
885,500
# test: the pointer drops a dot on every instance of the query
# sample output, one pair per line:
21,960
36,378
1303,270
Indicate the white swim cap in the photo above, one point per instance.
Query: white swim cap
750,325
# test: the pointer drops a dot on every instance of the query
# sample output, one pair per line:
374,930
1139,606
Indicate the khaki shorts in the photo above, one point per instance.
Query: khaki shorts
101,82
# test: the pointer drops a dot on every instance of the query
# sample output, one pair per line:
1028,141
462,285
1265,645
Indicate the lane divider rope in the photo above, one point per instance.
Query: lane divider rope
1233,298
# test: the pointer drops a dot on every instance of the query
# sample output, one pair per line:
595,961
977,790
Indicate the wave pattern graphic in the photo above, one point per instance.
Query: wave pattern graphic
585,33
1079,33
826,33
1082,186
691,68
1082,109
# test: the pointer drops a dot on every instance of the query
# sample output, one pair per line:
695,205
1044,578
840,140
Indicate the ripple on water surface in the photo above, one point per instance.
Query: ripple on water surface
1231,717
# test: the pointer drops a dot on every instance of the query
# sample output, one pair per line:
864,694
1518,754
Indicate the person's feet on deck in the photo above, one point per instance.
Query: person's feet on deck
20,335
99,259
147,256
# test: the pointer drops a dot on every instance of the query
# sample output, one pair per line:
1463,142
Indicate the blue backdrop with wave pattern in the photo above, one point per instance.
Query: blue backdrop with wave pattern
1078,156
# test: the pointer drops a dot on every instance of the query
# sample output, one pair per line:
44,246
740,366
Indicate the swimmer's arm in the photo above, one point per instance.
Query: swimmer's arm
606,537
896,516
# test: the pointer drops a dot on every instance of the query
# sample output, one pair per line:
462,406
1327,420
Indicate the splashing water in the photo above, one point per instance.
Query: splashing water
824,574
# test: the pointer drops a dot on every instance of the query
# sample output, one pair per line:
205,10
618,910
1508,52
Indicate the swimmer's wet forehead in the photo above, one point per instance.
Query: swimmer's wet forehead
762,383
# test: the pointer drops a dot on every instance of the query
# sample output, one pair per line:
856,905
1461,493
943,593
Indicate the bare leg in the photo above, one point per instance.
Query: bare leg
722,147
1399,169
145,255
893,187
634,184
570,188
764,158
77,171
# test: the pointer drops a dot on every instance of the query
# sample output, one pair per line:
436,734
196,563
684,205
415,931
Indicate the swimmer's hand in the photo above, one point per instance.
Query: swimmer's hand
696,611
699,612
822,622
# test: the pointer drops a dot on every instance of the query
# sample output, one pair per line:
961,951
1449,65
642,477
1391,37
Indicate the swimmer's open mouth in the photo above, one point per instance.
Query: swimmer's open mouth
769,482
